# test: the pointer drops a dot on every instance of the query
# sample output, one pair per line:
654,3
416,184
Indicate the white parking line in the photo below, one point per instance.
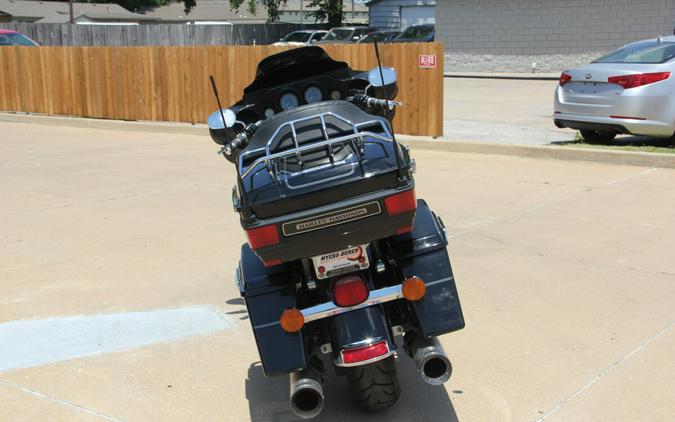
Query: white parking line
29,343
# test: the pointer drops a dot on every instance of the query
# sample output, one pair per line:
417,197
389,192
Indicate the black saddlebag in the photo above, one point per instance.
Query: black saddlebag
423,253
268,291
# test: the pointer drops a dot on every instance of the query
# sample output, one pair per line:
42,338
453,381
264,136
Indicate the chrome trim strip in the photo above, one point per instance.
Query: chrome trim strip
328,309
431,283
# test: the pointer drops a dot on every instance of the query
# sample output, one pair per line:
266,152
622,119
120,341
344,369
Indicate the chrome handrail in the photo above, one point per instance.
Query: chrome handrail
315,145
328,142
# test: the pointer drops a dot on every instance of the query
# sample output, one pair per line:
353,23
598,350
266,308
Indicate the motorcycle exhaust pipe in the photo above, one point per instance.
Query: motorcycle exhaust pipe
432,362
306,393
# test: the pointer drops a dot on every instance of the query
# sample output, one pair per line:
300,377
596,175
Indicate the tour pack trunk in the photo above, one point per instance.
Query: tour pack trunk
323,178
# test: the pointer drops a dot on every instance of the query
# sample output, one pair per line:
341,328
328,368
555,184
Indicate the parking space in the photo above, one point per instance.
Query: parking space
564,269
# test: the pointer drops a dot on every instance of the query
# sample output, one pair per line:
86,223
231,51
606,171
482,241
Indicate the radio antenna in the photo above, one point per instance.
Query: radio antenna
393,136
215,93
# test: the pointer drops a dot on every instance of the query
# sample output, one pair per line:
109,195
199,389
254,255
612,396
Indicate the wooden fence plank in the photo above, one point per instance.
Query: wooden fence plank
171,83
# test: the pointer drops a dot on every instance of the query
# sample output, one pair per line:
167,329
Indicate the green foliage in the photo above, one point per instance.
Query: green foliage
134,5
328,10
272,7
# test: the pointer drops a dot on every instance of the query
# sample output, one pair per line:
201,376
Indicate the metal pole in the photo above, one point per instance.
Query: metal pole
302,14
72,18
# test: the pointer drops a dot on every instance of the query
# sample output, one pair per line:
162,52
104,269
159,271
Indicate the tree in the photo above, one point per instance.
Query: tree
328,10
272,7
134,5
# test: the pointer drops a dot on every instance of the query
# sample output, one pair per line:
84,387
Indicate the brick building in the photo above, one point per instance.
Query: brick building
511,35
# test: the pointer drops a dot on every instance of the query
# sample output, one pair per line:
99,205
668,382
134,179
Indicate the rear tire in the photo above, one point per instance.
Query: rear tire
597,136
374,386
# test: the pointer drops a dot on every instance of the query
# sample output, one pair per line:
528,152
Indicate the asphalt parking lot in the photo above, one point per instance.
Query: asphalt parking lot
117,251
501,111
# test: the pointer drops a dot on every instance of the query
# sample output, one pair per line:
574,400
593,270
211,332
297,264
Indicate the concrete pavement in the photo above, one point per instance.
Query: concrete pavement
564,269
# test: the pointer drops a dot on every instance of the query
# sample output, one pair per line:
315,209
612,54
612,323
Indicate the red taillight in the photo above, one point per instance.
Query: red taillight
362,354
349,291
263,236
641,79
404,230
564,78
272,262
401,202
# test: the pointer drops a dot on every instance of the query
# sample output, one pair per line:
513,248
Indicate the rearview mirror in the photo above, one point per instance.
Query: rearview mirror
216,121
376,78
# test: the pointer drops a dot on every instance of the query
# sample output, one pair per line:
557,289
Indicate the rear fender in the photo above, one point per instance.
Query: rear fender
359,328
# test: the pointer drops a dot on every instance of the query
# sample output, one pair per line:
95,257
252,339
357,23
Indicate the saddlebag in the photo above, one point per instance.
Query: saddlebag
268,291
423,253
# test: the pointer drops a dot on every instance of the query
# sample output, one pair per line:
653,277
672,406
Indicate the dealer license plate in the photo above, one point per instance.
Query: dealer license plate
341,262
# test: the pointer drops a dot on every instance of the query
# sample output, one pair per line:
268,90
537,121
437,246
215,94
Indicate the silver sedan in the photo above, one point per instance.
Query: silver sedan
631,90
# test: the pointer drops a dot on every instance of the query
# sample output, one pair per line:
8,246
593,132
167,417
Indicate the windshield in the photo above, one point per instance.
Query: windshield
339,35
645,52
417,32
375,36
15,39
298,37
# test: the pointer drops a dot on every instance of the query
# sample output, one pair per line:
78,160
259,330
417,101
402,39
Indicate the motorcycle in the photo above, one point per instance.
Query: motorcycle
344,266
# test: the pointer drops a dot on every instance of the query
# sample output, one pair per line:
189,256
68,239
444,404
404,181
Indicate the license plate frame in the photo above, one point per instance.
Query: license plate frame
341,262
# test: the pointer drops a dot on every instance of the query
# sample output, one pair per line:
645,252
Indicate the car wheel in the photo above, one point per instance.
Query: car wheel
597,136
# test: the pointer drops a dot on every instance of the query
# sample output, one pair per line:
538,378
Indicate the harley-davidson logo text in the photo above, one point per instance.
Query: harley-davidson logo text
332,219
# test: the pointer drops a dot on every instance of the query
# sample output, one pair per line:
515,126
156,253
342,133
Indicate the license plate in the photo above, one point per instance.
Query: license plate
341,262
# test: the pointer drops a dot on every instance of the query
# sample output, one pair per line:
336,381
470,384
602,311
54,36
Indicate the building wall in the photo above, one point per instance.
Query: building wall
386,14
511,35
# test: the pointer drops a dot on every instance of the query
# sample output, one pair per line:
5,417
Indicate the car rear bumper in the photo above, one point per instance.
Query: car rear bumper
616,125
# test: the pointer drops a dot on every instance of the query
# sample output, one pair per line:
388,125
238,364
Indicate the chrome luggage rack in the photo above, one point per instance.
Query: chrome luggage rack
270,160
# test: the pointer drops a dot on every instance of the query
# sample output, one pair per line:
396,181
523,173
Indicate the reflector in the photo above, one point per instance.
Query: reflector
362,354
292,320
414,288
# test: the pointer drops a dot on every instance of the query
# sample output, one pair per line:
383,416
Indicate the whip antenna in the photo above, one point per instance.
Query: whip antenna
215,93
393,137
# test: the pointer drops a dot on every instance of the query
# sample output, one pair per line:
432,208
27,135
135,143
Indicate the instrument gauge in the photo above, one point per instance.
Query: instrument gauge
269,112
289,101
313,94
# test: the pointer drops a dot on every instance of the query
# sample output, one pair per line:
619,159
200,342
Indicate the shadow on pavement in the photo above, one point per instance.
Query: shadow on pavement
268,399
630,140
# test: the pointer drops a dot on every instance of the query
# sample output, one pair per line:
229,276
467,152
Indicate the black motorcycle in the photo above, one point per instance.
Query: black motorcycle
343,266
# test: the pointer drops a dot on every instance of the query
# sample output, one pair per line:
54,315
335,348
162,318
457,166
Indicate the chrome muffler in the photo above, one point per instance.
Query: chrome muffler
306,393
431,361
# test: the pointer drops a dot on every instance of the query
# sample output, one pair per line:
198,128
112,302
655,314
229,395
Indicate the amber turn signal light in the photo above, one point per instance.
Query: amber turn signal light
414,288
292,320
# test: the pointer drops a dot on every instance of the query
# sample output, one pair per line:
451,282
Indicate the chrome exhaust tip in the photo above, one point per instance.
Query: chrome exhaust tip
306,393
431,361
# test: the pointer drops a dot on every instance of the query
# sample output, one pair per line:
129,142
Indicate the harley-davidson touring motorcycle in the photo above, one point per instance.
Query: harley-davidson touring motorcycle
344,266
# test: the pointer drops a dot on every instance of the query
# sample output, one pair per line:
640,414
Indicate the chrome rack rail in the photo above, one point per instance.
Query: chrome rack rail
355,139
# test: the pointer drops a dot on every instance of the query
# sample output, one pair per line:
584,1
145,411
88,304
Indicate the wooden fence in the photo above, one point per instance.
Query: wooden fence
57,34
171,83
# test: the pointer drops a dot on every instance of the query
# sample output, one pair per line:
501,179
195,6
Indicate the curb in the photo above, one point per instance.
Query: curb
92,123
524,77
643,159
552,152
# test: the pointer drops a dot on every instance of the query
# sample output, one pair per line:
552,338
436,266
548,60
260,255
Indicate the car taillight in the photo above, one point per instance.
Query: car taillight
362,354
349,291
401,202
564,78
260,237
641,79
